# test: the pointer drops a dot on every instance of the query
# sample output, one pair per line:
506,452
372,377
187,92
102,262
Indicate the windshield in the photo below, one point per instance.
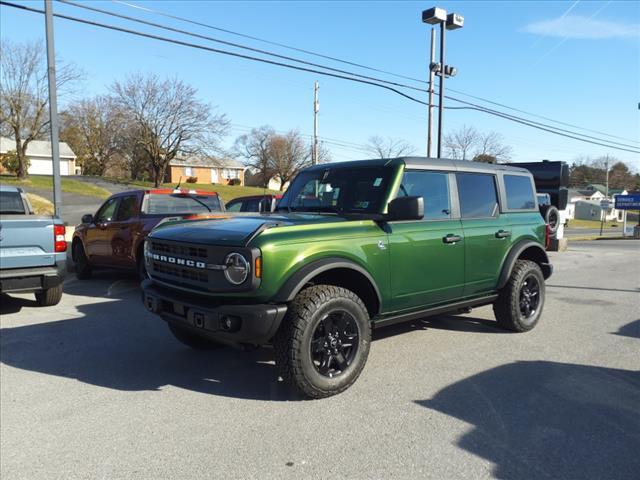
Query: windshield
10,203
161,204
338,190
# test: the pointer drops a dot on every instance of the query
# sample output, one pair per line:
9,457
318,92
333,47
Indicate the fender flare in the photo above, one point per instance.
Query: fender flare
514,254
302,276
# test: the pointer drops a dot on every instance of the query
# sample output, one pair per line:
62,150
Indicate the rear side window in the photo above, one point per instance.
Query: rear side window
519,192
433,187
127,209
11,203
477,193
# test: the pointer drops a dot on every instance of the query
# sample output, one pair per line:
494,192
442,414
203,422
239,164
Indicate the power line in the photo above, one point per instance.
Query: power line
359,65
251,37
236,45
265,52
295,67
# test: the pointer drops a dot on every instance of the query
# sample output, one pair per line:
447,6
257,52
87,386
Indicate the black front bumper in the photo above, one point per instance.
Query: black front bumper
232,324
32,279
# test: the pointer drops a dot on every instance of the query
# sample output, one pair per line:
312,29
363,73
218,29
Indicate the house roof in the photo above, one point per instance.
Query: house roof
211,162
37,148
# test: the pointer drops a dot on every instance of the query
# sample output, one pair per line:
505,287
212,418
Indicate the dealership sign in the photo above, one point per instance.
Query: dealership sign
628,202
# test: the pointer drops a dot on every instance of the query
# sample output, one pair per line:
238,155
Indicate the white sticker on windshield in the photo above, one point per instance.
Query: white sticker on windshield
377,182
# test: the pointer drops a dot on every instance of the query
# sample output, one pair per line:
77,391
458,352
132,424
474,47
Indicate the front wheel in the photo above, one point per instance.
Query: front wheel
83,268
323,342
519,304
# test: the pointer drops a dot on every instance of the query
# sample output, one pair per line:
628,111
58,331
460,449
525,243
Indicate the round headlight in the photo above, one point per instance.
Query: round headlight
237,269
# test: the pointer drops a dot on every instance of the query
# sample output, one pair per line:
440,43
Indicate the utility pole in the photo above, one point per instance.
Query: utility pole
603,211
432,76
316,108
441,95
53,108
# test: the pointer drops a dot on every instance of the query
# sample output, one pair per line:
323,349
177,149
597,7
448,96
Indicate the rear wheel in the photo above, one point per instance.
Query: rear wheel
519,304
83,268
192,340
323,342
50,296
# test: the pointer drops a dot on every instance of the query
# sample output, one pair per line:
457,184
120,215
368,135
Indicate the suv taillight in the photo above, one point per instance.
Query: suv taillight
59,239
547,236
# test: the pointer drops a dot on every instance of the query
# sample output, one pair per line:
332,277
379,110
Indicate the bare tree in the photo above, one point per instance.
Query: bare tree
254,147
24,98
170,119
491,145
288,155
389,148
94,128
460,144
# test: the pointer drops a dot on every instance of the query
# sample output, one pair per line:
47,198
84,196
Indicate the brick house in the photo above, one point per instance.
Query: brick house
206,170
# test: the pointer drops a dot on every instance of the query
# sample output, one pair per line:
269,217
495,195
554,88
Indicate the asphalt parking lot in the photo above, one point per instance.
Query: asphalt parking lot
98,388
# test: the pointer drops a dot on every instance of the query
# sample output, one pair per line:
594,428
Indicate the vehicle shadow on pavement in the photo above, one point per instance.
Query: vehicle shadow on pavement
10,304
117,344
456,323
538,419
630,329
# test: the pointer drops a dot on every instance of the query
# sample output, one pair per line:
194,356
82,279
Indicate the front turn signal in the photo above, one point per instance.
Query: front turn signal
258,267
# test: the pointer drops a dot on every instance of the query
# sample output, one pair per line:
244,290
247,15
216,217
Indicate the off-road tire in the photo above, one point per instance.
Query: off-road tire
83,269
50,296
292,341
191,340
507,307
552,218
142,270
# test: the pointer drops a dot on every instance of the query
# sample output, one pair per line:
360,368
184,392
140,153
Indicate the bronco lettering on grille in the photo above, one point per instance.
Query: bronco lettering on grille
178,261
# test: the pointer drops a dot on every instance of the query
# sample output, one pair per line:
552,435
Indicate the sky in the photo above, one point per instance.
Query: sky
576,62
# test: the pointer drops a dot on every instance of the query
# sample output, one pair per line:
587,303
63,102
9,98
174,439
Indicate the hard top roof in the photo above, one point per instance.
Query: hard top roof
427,164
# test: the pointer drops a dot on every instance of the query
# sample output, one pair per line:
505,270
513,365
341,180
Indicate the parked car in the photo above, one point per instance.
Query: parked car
32,249
353,246
253,203
114,236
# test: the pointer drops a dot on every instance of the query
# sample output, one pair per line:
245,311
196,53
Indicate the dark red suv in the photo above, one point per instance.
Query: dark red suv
114,236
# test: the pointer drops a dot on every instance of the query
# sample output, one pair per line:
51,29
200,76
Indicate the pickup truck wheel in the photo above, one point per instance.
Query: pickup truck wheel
323,342
49,297
192,340
519,304
83,269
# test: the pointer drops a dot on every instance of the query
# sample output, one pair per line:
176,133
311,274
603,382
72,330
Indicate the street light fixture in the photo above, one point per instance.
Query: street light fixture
451,21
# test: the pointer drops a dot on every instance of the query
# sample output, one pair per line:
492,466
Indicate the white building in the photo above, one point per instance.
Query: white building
39,155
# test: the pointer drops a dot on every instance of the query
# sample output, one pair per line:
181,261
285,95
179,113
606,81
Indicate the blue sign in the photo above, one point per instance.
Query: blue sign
628,202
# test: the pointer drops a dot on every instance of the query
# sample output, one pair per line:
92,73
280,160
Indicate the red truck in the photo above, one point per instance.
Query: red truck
114,236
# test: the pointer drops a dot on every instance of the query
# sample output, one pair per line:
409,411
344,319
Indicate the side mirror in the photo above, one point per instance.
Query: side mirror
88,218
406,208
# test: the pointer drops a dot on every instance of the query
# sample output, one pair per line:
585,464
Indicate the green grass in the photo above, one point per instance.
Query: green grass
67,184
41,206
226,192
573,223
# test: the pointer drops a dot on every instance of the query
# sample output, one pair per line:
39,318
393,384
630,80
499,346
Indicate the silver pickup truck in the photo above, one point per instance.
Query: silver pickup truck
33,249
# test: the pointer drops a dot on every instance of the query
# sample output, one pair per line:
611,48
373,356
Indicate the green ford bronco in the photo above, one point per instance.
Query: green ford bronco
353,246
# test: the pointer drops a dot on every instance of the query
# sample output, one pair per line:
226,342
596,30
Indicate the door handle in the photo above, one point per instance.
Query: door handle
503,234
451,238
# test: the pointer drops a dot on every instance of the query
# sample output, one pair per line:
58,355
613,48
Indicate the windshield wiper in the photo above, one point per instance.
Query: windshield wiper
330,210
201,203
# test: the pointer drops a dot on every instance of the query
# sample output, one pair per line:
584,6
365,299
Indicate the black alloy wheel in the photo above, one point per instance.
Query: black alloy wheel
334,343
529,297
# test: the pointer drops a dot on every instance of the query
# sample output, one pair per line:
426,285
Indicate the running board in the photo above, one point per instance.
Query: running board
430,312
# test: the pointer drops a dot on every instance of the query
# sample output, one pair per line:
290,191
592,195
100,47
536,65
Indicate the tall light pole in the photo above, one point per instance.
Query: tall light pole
316,108
452,21
432,77
53,108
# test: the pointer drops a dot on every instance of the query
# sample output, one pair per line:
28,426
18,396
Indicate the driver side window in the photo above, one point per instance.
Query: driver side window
433,187
107,211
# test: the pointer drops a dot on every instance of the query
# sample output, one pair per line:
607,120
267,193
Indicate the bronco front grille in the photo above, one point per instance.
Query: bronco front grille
180,250
182,273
